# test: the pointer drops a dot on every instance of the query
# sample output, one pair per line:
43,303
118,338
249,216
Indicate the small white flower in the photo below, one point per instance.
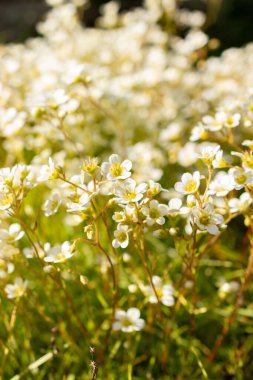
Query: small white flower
215,123
127,191
219,161
129,215
6,200
232,121
14,233
241,177
154,188
240,205
115,169
208,153
48,171
207,219
198,133
222,184
155,213
175,207
17,289
59,253
82,204
121,237
52,204
164,292
128,321
226,288
189,183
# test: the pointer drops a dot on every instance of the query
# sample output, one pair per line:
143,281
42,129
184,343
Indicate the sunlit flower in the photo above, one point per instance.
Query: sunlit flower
163,292
14,233
221,185
207,219
240,204
128,321
17,289
48,171
155,213
189,183
60,253
121,237
128,191
115,169
52,204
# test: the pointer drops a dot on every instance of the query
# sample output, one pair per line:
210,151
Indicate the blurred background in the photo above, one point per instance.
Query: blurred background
231,21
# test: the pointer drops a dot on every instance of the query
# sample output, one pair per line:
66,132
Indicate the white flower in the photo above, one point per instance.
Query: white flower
59,253
198,133
6,200
232,121
215,123
14,233
222,184
240,205
227,287
52,204
17,289
219,161
207,219
82,204
175,207
164,292
208,153
48,171
187,155
154,188
127,191
189,183
128,215
241,177
128,321
155,213
115,169
121,237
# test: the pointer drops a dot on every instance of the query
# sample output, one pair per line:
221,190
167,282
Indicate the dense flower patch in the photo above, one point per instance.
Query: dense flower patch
126,188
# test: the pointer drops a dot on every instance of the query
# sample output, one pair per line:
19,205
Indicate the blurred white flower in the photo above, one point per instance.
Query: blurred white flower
14,233
52,204
128,321
17,289
60,253
121,237
163,292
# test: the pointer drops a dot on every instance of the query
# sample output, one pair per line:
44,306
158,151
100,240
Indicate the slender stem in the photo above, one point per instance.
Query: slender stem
233,314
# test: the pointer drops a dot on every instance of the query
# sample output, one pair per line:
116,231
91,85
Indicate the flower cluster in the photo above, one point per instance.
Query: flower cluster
126,188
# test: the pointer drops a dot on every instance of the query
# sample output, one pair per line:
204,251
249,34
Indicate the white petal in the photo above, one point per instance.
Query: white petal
127,164
114,158
133,313
212,229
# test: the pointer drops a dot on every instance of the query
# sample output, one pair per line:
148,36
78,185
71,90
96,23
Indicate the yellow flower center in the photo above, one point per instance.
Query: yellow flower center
126,322
191,186
241,179
116,169
204,219
122,236
130,195
154,213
